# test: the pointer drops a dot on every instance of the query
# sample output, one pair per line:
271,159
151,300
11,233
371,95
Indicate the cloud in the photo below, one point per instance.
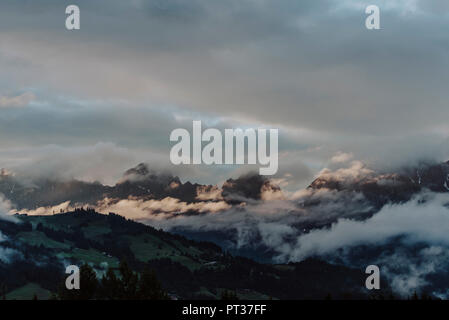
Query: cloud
101,162
157,209
271,191
412,270
281,57
282,64
7,254
272,222
5,209
19,101
399,230
355,172
417,221
340,157
209,193
45,211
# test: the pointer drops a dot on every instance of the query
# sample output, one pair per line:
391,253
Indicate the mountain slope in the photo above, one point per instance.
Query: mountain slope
41,245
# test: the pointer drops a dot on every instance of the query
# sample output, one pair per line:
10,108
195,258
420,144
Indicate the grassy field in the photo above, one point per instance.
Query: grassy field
28,292
148,247
145,246
37,238
91,256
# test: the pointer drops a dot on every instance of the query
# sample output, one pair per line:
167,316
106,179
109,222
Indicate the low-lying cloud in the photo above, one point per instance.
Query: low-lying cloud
418,222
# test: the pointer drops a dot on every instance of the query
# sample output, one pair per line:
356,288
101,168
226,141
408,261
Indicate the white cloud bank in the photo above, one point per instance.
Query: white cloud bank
418,222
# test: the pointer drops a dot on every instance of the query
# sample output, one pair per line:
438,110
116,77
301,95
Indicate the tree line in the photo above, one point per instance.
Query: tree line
121,284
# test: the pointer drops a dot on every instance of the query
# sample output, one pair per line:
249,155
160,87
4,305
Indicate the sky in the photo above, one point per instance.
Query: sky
94,102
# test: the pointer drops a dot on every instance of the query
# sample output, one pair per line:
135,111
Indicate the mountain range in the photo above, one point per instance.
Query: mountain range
247,225
143,183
